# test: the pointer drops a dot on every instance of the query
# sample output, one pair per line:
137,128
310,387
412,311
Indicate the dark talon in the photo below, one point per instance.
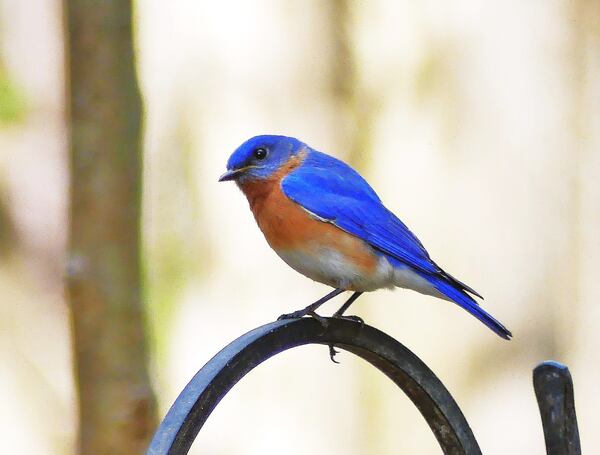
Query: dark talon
301,313
294,315
350,318
332,353
323,321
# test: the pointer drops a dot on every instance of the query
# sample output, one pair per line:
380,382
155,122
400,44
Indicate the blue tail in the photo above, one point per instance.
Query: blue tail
454,291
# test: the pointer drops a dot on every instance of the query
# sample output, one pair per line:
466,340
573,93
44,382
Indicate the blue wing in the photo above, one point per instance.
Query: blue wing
336,193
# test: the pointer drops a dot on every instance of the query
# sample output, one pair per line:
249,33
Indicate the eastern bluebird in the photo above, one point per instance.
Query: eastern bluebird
325,221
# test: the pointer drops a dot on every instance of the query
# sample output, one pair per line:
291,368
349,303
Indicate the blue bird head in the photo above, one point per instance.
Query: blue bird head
260,157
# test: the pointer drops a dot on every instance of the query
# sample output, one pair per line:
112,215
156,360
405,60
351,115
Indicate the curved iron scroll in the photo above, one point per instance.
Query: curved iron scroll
195,403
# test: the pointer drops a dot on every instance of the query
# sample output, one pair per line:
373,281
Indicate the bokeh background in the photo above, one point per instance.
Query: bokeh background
478,123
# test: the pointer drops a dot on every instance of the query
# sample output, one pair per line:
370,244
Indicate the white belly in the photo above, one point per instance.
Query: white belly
332,268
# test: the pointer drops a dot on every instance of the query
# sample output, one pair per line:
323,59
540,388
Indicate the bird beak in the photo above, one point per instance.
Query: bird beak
230,175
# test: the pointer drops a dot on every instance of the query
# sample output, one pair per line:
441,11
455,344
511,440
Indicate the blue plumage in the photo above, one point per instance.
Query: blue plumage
336,193
460,297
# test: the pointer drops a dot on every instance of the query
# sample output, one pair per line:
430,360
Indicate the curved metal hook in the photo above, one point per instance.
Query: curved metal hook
195,403
554,391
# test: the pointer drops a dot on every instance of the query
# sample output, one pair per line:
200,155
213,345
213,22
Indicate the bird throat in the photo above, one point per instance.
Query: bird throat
259,190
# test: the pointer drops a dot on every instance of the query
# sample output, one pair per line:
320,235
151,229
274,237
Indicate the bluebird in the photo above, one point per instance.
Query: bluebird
326,222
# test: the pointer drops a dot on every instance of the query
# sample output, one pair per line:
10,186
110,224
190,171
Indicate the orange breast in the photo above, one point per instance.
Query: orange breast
287,226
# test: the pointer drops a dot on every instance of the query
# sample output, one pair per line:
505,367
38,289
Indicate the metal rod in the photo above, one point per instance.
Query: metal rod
206,389
554,392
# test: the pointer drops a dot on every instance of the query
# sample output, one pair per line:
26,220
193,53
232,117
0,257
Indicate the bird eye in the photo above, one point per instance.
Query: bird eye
260,153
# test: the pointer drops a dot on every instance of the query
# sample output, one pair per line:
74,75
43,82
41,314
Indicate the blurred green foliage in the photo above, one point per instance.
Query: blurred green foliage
175,248
13,106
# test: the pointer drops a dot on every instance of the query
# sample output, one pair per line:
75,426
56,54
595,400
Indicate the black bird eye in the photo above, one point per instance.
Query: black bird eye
260,153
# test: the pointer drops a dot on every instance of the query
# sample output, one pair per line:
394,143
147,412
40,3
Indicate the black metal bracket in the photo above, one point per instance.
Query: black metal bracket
195,403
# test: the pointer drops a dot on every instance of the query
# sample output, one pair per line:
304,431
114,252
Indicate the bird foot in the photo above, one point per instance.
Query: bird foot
301,313
323,321
294,315
332,353
349,318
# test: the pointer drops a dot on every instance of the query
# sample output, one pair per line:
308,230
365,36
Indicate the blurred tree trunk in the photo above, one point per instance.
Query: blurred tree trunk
116,404
352,106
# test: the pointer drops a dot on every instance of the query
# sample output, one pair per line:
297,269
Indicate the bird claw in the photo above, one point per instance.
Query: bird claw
323,321
332,353
301,313
294,315
350,318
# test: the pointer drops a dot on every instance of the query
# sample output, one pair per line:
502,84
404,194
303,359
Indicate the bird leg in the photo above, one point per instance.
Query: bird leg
310,309
339,313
